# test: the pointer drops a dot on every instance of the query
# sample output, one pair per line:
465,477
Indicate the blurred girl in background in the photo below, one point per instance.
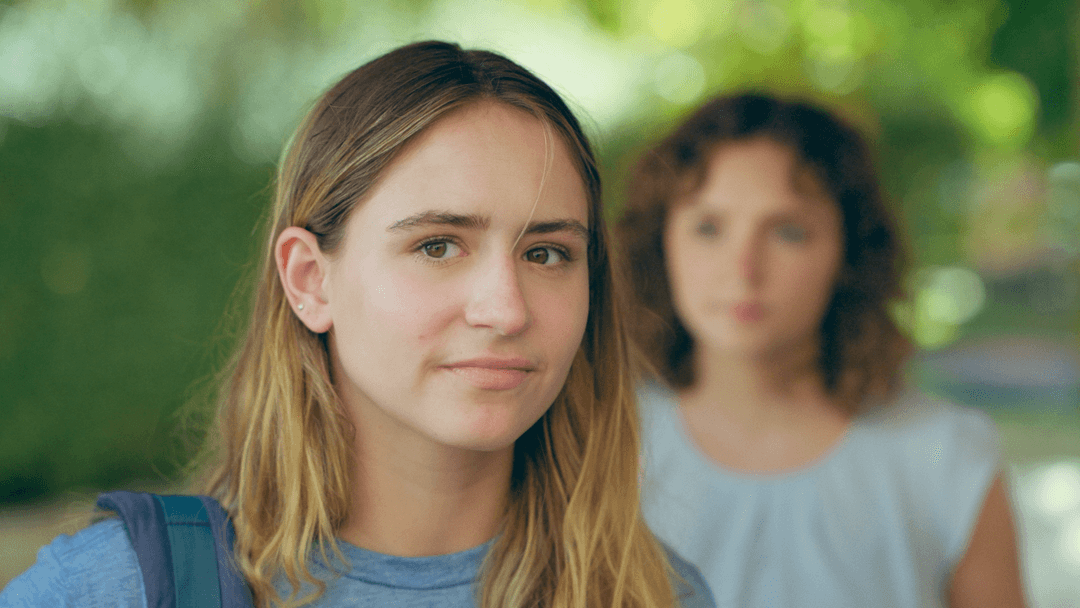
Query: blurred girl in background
783,455
432,404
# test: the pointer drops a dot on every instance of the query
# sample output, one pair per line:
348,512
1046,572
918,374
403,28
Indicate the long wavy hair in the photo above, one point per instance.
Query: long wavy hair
280,452
861,348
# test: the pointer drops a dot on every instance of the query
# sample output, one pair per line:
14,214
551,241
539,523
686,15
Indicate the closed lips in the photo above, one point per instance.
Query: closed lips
492,373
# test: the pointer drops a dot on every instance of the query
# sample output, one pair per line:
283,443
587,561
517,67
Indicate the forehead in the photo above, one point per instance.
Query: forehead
758,173
486,159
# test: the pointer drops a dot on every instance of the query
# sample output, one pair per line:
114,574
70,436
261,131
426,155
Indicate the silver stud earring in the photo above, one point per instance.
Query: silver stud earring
299,307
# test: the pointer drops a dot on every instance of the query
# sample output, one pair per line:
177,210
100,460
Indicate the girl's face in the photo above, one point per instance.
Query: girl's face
460,294
753,254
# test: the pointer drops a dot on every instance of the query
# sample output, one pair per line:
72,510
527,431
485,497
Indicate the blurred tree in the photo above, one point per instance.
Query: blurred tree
138,137
1039,40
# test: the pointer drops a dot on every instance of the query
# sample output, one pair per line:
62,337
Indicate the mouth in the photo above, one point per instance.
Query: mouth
491,373
748,312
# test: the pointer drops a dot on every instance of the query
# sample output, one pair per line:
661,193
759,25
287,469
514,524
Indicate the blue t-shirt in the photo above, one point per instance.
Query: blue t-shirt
97,568
881,520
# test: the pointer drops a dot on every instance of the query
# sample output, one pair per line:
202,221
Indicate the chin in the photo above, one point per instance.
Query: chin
482,441
742,344
487,430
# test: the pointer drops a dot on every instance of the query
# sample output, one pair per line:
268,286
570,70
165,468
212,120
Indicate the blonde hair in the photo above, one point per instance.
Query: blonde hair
280,454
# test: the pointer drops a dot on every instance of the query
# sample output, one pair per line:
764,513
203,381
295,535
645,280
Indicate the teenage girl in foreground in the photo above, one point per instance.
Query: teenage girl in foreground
782,454
432,405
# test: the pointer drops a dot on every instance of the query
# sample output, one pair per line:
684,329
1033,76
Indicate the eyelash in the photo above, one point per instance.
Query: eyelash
563,252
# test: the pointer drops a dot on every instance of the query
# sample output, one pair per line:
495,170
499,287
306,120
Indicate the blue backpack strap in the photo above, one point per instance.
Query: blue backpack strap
234,589
184,548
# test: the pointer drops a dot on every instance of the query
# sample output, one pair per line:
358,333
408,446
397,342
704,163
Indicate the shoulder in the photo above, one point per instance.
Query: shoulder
93,567
690,587
657,405
652,395
948,454
935,427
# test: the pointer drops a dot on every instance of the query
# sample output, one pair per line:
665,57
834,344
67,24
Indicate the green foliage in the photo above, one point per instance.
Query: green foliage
114,288
137,143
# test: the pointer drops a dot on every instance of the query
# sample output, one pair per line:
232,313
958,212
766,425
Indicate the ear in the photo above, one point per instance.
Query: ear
303,270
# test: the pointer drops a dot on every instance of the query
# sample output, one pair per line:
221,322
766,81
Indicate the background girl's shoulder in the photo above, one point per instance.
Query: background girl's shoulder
914,416
94,567
944,455
655,399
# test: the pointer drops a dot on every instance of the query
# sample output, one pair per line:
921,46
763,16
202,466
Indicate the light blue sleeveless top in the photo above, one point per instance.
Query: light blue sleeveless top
882,520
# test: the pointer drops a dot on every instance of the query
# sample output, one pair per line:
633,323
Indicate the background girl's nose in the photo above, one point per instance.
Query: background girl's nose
748,261
497,300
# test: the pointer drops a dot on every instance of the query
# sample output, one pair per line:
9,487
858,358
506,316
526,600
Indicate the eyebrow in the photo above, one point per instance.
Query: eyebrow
480,222
440,218
572,226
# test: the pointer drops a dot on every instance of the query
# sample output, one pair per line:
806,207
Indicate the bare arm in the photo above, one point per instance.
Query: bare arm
988,576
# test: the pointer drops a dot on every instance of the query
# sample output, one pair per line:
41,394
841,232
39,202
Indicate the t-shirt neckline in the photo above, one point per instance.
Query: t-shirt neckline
427,572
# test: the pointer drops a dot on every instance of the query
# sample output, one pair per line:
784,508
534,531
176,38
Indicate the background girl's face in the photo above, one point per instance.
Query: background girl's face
460,294
753,254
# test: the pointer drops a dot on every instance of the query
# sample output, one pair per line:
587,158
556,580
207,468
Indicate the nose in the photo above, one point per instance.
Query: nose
497,300
748,260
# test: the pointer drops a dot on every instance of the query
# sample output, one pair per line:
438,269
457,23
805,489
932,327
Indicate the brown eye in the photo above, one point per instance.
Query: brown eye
547,256
538,256
435,250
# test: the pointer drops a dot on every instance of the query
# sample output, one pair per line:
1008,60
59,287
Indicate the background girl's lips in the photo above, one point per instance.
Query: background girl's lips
748,312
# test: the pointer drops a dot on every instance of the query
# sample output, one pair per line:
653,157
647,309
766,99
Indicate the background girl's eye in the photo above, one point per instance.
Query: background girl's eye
791,233
707,228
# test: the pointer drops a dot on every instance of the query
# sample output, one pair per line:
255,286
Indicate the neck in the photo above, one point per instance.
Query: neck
413,498
755,386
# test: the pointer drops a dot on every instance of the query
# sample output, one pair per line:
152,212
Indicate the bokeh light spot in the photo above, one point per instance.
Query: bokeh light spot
952,294
945,298
839,73
1003,108
679,78
30,76
1058,491
1063,207
102,69
764,26
1068,172
830,25
677,23
930,334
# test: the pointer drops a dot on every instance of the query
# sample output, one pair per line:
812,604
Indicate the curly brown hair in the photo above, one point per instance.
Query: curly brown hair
862,349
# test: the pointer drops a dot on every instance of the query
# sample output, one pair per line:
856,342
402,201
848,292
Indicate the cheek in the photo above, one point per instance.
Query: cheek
811,281
389,311
686,269
413,305
561,316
